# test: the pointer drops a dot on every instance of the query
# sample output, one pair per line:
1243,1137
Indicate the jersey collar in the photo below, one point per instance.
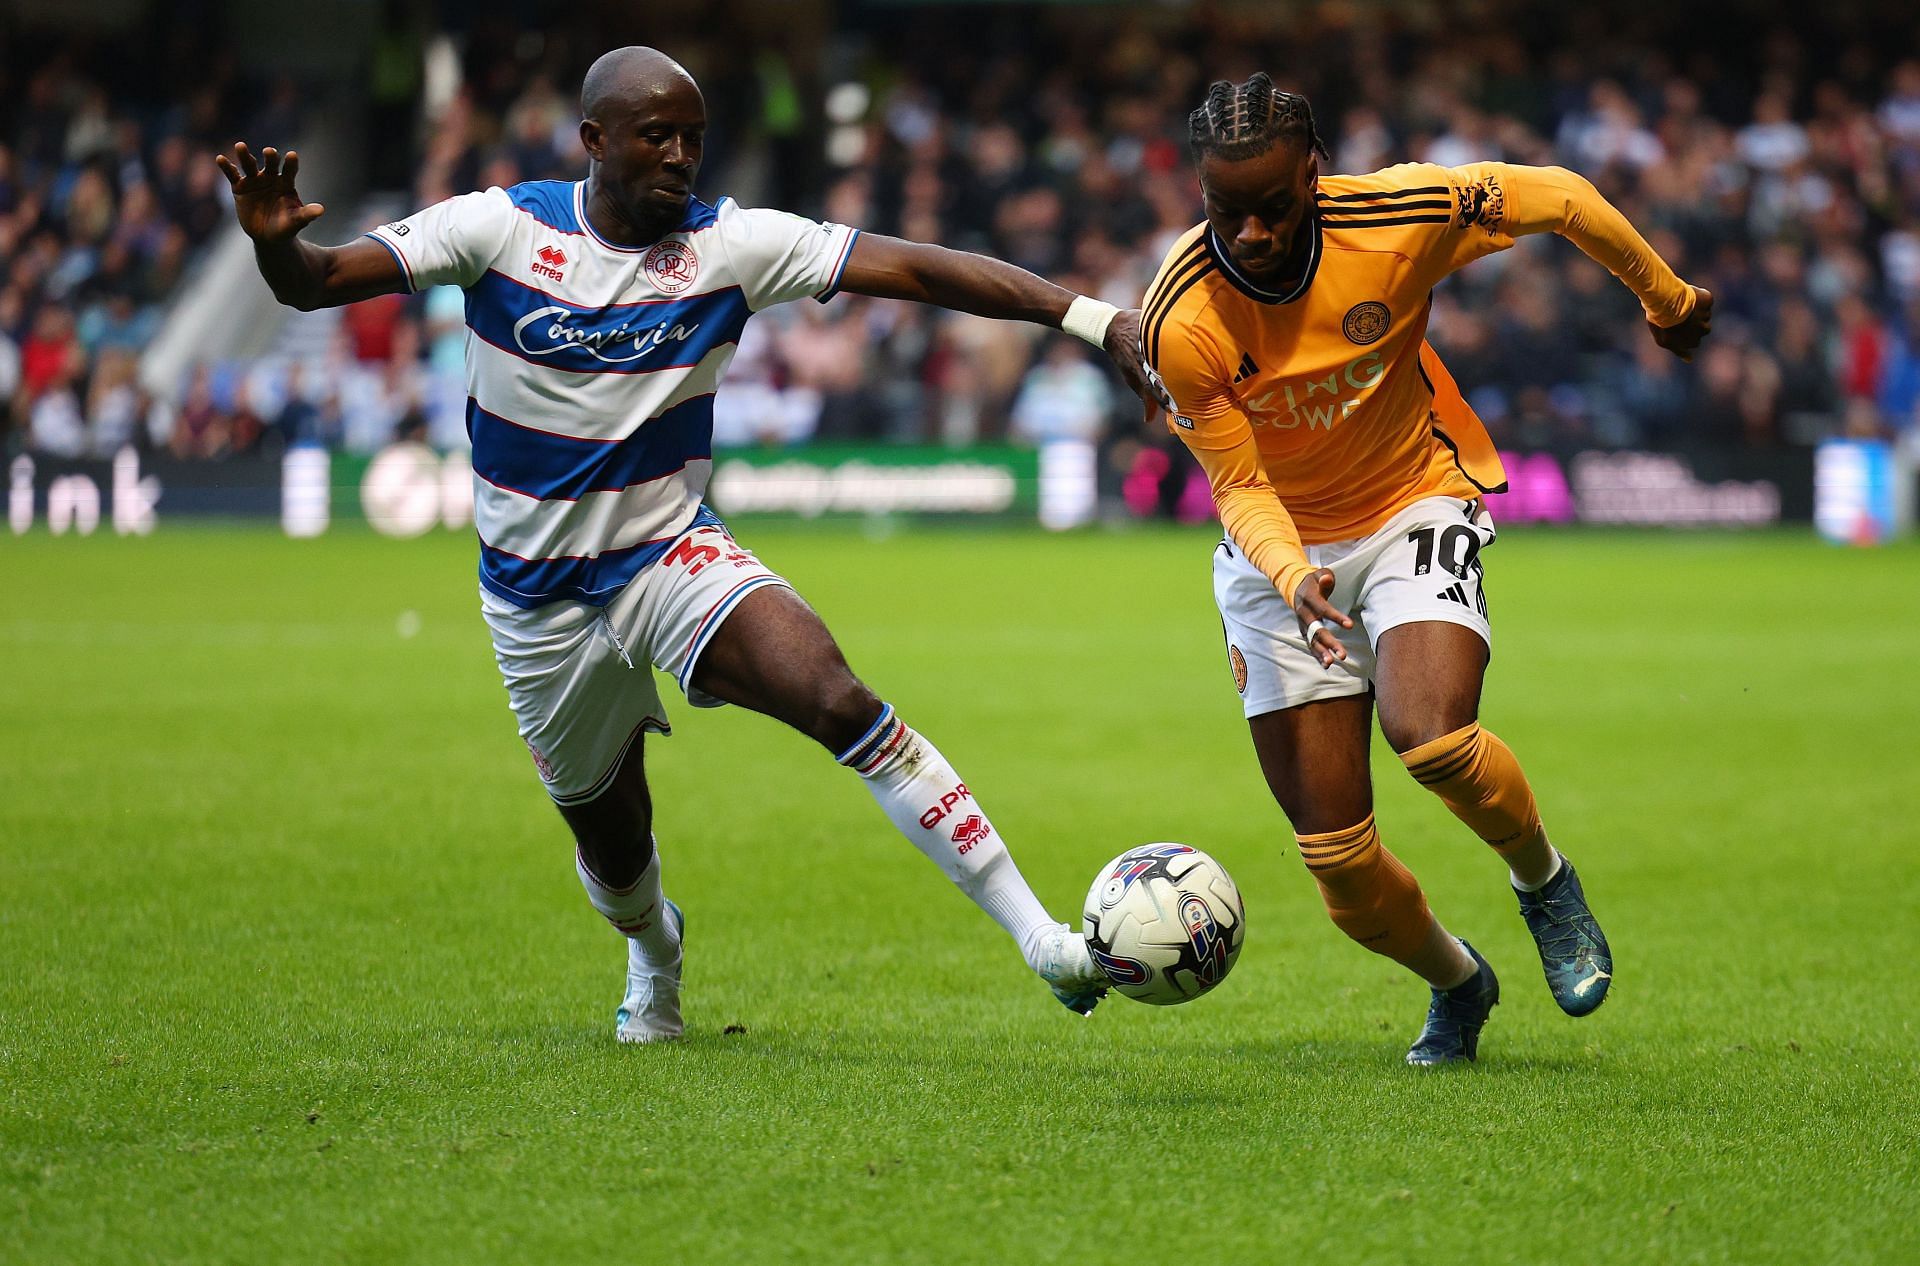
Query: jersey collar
697,216
1253,290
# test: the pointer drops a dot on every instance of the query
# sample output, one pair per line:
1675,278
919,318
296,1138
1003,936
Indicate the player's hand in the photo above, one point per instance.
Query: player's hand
1683,338
1316,613
1123,346
264,199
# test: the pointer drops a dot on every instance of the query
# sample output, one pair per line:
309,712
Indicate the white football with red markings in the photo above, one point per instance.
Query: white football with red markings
1164,922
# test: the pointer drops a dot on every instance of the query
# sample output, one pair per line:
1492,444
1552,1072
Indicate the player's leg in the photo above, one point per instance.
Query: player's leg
1429,677
583,711
619,866
1312,731
1314,758
771,653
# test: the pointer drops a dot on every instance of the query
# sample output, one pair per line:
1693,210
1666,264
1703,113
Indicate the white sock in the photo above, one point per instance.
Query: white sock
638,913
1558,862
925,799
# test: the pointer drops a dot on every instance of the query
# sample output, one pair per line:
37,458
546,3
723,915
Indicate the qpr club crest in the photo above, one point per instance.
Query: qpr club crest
671,266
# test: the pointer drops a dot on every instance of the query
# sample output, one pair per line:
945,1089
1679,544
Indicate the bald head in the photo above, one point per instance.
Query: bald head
627,77
644,128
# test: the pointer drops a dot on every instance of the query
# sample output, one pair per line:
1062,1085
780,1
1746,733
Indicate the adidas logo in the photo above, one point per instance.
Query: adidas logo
1454,593
1247,368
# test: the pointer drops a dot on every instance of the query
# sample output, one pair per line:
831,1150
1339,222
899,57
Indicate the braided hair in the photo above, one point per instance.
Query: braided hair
1245,120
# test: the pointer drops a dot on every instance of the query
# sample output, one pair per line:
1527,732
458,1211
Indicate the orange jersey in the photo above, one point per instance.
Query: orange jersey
1320,413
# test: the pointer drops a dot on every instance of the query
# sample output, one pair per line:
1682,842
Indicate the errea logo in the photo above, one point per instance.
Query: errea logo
548,261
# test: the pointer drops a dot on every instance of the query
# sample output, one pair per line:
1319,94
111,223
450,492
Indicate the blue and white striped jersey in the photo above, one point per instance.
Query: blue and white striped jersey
591,368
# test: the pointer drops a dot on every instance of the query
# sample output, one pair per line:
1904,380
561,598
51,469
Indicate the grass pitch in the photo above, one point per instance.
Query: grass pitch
293,965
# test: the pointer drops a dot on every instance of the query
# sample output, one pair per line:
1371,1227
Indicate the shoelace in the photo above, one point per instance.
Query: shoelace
1454,1010
1561,932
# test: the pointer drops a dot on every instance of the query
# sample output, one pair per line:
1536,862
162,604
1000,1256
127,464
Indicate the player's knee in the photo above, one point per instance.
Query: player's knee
1419,728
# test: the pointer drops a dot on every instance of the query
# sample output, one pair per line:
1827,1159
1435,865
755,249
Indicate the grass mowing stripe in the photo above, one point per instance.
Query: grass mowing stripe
296,964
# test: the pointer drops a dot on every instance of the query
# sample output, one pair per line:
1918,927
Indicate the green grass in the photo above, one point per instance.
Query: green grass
293,965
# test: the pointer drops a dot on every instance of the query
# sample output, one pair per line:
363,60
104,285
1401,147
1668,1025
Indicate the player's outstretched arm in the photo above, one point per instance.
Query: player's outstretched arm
1554,199
890,268
301,274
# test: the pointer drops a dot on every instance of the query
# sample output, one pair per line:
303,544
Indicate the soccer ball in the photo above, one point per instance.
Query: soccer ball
1164,922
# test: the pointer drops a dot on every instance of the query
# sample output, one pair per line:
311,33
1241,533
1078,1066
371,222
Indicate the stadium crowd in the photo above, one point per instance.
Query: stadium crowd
1783,173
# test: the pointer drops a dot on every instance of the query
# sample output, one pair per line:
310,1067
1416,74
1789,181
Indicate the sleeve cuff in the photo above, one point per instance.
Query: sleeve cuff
1288,581
1687,300
398,258
839,268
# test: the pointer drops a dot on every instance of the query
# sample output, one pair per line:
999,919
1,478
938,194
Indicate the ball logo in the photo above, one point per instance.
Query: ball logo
1238,662
1121,971
1366,322
1134,863
670,266
1209,947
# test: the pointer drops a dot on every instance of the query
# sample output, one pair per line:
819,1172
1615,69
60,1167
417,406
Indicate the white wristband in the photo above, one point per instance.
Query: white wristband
1088,319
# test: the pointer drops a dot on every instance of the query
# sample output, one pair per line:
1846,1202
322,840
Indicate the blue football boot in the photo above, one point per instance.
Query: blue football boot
1454,1018
1573,949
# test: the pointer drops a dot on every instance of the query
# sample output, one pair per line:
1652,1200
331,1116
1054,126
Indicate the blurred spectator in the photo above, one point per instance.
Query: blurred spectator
1778,165
104,193
1064,397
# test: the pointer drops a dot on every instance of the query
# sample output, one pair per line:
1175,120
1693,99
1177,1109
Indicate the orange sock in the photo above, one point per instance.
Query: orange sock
1369,894
1477,777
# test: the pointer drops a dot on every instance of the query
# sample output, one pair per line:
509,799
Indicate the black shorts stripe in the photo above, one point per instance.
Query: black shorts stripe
1161,283
1385,193
1382,224
1424,204
1152,339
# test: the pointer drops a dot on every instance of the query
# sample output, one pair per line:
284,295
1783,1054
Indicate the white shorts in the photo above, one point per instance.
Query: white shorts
1423,565
580,678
